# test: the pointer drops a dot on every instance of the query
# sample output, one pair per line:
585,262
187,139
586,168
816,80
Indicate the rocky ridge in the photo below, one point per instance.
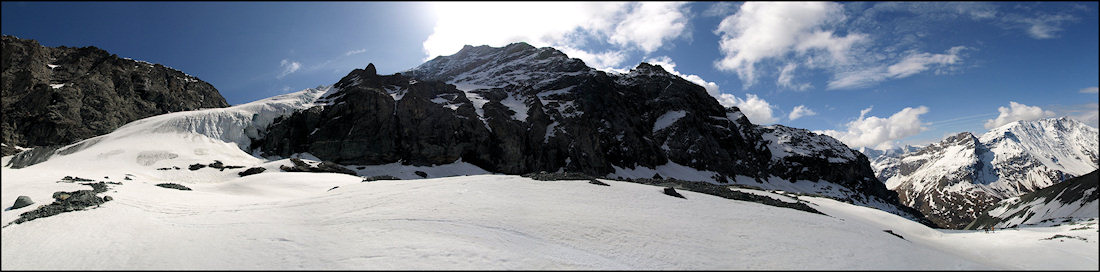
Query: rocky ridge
55,96
1067,201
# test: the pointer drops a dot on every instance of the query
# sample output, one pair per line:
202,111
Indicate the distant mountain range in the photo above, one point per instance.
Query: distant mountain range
1067,201
955,180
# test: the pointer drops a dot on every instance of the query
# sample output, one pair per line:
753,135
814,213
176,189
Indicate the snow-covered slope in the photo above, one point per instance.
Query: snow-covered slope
956,179
1068,201
333,221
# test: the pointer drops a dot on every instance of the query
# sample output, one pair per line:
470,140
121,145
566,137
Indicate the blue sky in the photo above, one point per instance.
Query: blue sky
873,74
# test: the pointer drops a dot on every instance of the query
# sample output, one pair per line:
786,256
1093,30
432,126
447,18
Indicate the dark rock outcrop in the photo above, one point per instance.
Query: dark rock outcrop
174,186
672,192
377,178
68,202
597,182
543,175
323,167
724,191
59,95
252,171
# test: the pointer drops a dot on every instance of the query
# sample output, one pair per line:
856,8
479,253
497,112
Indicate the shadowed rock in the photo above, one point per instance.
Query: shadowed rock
174,186
252,171
672,192
22,201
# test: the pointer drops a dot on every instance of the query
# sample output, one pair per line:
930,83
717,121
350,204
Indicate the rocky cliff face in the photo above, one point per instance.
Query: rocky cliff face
955,180
519,109
57,96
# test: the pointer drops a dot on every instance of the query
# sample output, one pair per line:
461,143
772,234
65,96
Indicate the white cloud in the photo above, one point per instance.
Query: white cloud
757,110
289,67
666,63
1044,26
786,78
353,52
919,62
800,111
1016,112
760,31
880,133
607,60
563,25
1092,89
911,64
650,25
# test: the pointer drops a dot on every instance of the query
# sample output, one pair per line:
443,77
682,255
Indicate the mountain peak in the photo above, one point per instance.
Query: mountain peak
962,137
514,64
645,66
370,69
519,45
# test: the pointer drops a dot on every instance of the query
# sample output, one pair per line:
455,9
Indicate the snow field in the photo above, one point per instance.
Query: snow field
291,220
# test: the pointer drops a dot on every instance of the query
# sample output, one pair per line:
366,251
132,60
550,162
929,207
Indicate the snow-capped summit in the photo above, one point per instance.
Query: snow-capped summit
955,179
518,64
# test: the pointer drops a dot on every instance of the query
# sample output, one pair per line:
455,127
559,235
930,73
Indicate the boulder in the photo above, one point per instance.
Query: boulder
672,192
174,186
597,182
252,171
22,201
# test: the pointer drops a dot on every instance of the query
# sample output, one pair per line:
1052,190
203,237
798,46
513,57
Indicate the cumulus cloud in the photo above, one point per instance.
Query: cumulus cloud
644,26
670,66
880,133
760,31
1016,112
608,60
911,64
288,67
800,111
1092,89
649,25
756,109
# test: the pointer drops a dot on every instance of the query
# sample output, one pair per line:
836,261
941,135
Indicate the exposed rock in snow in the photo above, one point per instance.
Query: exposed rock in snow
1068,201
